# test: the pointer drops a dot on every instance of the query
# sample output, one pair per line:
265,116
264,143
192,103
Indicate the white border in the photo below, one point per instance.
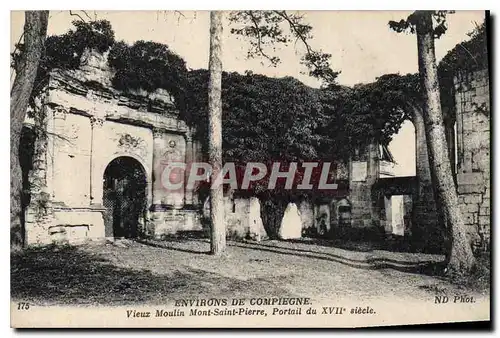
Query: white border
200,5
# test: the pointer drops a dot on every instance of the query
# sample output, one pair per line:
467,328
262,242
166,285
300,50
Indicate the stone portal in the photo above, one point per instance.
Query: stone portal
99,157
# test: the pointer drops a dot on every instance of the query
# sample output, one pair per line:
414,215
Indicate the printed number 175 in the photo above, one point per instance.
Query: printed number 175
23,306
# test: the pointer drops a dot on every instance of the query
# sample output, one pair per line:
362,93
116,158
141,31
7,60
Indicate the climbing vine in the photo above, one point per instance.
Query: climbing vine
467,56
145,64
149,65
65,51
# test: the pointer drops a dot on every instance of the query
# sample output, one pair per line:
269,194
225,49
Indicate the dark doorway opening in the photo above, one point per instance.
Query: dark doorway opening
124,198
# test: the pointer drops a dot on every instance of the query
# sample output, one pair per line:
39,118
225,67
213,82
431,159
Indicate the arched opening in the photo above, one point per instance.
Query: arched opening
344,213
124,197
398,205
403,150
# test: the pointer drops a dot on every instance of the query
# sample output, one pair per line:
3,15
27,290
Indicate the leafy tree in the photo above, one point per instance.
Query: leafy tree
263,27
460,258
269,120
26,66
269,29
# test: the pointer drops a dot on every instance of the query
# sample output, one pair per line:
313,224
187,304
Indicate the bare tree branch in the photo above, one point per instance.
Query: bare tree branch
14,70
298,34
265,28
180,14
77,15
259,37
86,14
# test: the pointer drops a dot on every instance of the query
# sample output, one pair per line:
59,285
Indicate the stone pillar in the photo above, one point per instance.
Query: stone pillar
257,231
365,210
388,214
322,220
334,217
373,176
189,158
472,98
55,125
97,167
39,213
306,215
159,147
197,156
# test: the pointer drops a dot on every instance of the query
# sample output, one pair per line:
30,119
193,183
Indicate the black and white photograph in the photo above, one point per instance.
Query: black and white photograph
249,168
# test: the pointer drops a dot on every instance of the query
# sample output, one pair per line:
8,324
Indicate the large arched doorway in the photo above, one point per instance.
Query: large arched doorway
399,206
124,197
404,151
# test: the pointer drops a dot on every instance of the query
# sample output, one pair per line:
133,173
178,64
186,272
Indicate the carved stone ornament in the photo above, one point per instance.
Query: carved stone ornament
96,121
60,112
158,132
131,144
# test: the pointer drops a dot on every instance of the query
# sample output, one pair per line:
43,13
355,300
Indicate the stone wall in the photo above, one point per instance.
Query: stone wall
472,99
172,221
306,212
242,218
364,171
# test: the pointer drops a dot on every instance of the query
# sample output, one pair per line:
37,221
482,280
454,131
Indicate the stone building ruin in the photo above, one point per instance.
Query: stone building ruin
89,127
97,141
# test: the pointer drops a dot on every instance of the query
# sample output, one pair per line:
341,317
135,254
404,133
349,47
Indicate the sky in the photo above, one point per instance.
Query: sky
362,45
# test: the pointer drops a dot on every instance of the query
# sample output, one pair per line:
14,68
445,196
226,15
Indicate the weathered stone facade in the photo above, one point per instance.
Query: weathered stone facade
242,217
85,126
472,99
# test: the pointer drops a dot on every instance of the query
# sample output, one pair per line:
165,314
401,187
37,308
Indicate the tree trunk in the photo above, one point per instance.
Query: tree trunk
218,229
461,259
35,31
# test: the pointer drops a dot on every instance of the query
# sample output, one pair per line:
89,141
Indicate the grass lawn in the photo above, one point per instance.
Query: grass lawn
156,272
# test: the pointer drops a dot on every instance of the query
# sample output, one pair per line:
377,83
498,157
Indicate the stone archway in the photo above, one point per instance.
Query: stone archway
403,150
124,197
425,225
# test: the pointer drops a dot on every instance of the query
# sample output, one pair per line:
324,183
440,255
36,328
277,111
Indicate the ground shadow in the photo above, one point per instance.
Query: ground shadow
426,267
360,243
430,268
163,244
361,246
72,276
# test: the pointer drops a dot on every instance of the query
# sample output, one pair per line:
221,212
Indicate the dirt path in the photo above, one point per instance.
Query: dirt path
156,272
